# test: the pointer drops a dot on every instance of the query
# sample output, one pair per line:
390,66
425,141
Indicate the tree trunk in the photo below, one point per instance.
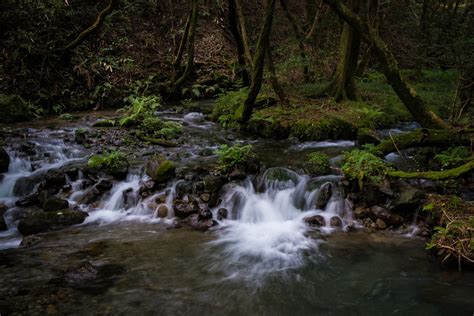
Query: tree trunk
342,86
299,37
234,29
259,61
274,79
189,49
182,46
243,33
414,104
312,32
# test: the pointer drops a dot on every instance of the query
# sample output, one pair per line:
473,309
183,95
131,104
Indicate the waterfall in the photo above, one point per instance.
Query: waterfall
266,225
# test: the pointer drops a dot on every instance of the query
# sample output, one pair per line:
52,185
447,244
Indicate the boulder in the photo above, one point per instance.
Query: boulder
204,213
14,109
361,212
29,200
40,221
213,184
378,212
23,186
316,220
160,169
161,211
54,204
410,198
324,195
4,160
80,136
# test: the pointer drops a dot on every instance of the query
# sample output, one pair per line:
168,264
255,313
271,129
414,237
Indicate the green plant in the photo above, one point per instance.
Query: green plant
109,160
67,117
453,157
140,108
228,108
230,157
318,163
369,116
169,130
364,167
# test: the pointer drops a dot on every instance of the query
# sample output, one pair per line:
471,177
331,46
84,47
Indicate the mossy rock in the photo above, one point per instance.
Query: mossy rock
104,123
267,128
367,136
14,109
160,169
326,128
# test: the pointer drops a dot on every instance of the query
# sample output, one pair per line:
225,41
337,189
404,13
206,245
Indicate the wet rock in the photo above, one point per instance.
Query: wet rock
23,186
237,174
204,212
380,224
103,186
367,136
205,197
213,184
129,198
161,211
184,209
324,195
80,136
183,188
29,200
40,221
4,160
54,180
146,188
361,212
377,212
335,221
316,220
222,214
160,169
409,199
54,204
30,240
3,224
201,225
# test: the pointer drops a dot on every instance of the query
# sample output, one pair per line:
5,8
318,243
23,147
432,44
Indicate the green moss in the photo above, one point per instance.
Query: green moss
110,160
231,157
104,123
68,117
327,128
318,163
364,167
160,169
14,109
435,175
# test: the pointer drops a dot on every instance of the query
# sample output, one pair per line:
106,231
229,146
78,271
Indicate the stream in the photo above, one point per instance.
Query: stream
263,259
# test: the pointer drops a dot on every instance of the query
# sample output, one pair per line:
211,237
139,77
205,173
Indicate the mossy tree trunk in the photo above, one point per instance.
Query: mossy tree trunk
314,25
299,37
242,72
182,46
189,48
243,33
414,104
342,86
263,44
274,79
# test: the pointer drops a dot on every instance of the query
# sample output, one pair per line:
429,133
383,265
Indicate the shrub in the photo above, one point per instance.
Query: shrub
228,108
364,167
109,160
230,157
453,157
318,163
140,108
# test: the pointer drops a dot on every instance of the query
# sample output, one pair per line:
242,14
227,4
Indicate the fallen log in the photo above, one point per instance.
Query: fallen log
435,175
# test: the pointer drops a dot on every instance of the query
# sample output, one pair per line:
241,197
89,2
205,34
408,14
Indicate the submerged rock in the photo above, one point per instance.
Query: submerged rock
161,211
3,224
4,160
198,224
335,221
40,221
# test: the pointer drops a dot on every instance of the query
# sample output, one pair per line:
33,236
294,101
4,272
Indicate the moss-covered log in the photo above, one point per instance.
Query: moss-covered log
98,21
435,175
423,138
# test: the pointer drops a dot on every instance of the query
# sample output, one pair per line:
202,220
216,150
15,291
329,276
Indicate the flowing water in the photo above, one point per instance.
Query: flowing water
263,259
